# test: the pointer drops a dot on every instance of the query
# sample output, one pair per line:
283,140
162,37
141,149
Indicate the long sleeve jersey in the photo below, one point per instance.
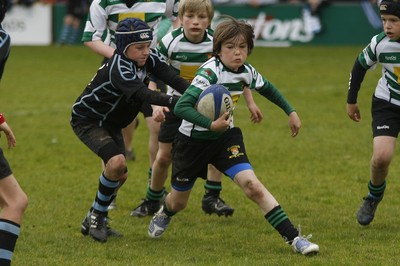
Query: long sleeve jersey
386,52
104,16
184,56
117,92
213,71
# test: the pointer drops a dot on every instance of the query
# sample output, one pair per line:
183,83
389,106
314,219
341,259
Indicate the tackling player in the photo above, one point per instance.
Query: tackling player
111,101
99,36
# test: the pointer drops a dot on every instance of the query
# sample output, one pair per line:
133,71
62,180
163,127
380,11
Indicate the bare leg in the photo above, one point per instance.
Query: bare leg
383,153
255,190
13,200
176,201
161,166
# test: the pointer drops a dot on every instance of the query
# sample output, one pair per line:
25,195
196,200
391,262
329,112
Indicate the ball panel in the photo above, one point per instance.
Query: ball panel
206,106
214,101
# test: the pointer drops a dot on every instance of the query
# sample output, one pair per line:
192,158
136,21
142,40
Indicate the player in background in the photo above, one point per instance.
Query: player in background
186,49
383,49
111,101
71,29
99,36
201,141
13,200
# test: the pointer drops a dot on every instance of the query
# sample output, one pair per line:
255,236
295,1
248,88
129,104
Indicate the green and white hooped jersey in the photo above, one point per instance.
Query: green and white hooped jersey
386,52
214,72
104,16
185,57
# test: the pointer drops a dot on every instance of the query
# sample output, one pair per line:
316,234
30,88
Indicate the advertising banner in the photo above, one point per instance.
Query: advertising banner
29,25
286,24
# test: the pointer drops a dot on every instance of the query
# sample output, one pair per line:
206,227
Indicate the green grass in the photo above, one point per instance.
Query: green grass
319,177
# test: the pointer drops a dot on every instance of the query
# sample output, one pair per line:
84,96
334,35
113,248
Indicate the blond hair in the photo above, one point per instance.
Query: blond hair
196,6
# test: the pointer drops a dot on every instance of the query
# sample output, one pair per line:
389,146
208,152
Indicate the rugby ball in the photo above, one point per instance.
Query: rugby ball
214,101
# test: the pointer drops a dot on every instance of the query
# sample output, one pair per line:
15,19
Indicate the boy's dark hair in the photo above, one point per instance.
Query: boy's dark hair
232,28
390,7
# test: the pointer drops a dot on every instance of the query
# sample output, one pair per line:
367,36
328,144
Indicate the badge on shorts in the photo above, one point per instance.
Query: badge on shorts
235,151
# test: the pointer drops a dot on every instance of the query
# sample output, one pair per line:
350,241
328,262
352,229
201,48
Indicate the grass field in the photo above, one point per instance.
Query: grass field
319,177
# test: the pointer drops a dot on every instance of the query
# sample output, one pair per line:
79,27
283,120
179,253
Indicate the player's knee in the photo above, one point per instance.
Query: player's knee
117,167
253,189
381,161
21,202
177,206
164,160
17,203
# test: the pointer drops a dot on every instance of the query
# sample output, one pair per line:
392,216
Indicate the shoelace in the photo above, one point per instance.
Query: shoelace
160,215
303,237
300,236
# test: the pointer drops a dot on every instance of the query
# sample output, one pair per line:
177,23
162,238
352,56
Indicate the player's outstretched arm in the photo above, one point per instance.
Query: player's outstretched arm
99,47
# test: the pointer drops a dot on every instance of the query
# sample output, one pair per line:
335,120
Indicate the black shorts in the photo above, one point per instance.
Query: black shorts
385,118
169,128
190,157
5,169
106,142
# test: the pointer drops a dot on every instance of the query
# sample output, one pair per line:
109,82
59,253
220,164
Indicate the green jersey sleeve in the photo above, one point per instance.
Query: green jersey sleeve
185,108
270,92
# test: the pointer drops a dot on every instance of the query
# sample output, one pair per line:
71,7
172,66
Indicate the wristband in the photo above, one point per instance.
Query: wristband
2,119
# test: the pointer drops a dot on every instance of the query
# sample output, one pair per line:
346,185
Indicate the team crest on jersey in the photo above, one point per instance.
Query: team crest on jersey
234,150
206,73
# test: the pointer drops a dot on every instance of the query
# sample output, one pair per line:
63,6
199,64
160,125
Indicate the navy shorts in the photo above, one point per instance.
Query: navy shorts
5,169
106,142
169,128
190,157
385,118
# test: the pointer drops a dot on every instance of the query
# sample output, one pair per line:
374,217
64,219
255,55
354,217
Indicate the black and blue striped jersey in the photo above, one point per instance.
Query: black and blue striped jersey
116,93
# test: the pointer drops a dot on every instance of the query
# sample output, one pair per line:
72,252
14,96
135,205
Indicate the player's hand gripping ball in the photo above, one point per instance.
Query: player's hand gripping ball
215,101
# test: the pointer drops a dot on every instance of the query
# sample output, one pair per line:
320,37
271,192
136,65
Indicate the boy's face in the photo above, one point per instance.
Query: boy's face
194,24
138,52
391,26
234,53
